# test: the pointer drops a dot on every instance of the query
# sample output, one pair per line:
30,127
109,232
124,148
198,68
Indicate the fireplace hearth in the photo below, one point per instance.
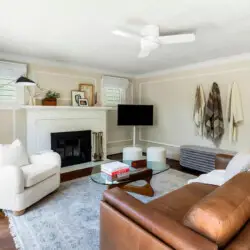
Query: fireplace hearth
73,147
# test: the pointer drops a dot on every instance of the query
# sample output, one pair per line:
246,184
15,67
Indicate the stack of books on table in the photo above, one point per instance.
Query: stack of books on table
115,170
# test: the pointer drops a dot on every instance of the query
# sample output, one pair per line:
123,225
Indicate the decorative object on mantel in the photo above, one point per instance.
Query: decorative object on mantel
88,90
83,102
76,96
98,146
97,104
51,98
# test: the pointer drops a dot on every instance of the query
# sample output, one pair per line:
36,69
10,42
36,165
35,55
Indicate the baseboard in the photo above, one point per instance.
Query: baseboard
115,150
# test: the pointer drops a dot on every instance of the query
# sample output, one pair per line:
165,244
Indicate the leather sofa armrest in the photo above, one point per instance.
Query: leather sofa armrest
163,227
222,160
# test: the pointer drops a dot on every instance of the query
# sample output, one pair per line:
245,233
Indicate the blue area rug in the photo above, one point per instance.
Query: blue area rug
69,218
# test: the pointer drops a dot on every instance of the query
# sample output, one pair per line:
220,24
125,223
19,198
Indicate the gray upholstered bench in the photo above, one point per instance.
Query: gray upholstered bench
200,158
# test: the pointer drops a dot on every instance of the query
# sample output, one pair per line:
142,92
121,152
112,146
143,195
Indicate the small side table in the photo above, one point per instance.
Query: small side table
132,153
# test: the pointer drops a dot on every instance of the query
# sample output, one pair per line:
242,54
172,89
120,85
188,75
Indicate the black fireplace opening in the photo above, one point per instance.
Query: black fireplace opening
73,147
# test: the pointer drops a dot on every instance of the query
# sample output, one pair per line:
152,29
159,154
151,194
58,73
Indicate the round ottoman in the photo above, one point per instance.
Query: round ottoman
132,154
156,154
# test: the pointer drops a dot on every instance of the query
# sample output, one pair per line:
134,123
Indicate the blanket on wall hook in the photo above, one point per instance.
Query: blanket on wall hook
214,123
234,111
199,109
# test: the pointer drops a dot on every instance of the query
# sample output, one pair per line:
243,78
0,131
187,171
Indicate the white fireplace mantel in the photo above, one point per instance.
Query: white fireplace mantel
41,121
95,108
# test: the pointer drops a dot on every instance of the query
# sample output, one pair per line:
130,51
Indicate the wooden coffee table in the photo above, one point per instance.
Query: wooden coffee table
143,173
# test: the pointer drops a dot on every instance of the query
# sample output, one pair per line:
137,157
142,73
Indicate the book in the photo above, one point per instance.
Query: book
113,168
117,172
115,177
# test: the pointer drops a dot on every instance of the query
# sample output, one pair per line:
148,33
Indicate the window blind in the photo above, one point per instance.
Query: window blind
114,90
7,93
9,72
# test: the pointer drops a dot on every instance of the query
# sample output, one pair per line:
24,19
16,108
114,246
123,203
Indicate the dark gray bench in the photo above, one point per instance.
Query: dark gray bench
200,158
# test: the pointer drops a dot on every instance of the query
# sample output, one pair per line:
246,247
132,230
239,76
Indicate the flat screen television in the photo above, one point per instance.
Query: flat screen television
135,115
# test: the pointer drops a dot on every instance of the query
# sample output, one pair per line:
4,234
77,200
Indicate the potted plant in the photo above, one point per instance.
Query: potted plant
51,98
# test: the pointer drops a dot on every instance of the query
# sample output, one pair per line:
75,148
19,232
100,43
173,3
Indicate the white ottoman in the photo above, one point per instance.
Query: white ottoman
132,154
156,154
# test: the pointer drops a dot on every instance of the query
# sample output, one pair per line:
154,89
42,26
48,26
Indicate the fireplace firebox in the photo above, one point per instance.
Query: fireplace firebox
73,147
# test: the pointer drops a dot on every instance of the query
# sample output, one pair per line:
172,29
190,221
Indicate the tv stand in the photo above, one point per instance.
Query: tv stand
132,153
134,135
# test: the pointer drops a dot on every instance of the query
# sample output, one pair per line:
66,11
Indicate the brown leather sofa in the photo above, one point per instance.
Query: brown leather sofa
196,216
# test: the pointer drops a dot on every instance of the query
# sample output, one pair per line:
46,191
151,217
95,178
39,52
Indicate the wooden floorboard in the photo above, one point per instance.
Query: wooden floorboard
6,241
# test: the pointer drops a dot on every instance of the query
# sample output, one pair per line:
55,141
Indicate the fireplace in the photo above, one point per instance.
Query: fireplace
73,147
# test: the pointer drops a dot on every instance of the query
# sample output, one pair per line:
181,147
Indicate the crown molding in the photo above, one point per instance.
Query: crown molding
10,57
205,64
53,63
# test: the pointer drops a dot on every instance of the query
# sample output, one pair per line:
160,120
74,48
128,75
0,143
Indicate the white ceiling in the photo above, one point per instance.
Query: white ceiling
79,31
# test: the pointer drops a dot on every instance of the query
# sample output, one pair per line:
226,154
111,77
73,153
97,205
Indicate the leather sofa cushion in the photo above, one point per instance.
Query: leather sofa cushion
222,213
160,225
35,173
177,203
242,240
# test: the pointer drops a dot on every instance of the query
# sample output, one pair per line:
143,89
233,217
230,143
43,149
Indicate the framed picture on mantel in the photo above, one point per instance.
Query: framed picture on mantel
89,91
76,96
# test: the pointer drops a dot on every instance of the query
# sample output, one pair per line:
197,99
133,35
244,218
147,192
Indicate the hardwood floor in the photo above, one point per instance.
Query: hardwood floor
6,241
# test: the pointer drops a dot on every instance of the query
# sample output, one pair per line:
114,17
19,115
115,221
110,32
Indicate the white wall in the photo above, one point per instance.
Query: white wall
173,96
63,80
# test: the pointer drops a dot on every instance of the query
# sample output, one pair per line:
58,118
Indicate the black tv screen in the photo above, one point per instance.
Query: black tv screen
135,115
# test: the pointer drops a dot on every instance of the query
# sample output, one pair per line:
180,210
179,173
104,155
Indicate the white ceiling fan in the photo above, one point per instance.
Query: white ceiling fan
151,39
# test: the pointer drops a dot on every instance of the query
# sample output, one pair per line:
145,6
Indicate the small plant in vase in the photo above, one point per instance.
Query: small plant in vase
51,98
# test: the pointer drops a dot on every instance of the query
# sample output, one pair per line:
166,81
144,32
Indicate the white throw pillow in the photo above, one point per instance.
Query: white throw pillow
13,154
239,163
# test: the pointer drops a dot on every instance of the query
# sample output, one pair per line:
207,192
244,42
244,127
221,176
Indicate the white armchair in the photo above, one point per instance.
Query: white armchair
22,186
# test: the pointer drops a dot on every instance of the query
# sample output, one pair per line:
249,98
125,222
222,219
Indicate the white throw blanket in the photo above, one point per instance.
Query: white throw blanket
199,109
215,177
234,111
239,163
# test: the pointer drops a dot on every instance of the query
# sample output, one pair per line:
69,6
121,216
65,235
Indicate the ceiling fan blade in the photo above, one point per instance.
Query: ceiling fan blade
179,38
144,53
125,33
146,47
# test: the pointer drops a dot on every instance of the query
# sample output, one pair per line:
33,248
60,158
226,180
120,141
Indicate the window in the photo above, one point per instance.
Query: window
112,96
9,72
7,93
115,91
